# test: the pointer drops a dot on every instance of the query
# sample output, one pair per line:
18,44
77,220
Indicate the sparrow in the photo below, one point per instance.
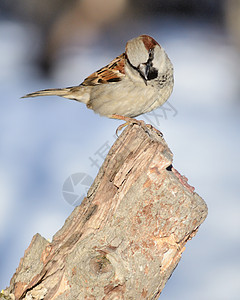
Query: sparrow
136,82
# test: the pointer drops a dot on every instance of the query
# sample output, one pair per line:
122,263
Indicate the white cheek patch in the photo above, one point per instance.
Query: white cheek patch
136,52
159,61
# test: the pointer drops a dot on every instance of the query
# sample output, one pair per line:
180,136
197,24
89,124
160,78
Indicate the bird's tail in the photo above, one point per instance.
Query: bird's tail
73,93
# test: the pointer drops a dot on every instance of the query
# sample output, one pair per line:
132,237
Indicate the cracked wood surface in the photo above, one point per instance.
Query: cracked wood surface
126,237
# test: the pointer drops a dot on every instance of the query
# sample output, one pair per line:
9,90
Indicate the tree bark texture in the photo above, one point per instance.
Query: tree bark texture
127,236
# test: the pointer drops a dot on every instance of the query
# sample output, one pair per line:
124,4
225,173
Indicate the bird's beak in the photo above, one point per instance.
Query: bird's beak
144,70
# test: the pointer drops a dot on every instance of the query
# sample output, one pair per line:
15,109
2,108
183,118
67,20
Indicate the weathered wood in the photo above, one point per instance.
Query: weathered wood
127,236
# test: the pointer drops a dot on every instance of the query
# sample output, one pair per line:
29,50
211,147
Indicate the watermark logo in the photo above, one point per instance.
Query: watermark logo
163,112
75,188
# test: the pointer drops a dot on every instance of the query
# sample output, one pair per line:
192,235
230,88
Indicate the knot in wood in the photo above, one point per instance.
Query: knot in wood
100,264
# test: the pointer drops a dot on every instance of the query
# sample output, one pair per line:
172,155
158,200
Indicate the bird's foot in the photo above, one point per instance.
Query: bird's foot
149,126
130,121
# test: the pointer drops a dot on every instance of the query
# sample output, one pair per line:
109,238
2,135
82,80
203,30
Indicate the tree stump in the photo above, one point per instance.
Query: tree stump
126,237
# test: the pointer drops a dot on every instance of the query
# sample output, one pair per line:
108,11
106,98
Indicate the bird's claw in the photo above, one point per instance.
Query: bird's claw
131,121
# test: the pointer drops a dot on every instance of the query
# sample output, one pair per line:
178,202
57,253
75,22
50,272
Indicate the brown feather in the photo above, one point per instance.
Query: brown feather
149,42
113,72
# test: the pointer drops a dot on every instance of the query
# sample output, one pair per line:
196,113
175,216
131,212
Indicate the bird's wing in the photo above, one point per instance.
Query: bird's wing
113,72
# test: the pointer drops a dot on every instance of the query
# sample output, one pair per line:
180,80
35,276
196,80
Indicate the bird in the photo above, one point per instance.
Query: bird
134,83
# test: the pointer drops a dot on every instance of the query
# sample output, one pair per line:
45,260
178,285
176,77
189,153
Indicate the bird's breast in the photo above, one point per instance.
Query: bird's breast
127,99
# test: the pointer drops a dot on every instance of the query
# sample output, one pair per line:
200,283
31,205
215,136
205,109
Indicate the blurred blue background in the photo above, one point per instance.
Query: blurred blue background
43,141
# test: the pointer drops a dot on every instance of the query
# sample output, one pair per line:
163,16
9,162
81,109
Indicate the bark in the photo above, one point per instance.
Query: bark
127,236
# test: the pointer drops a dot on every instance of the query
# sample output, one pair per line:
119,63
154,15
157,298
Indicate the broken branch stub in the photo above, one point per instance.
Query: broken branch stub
126,237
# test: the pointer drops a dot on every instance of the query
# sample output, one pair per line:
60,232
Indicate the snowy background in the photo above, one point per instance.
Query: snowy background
43,141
